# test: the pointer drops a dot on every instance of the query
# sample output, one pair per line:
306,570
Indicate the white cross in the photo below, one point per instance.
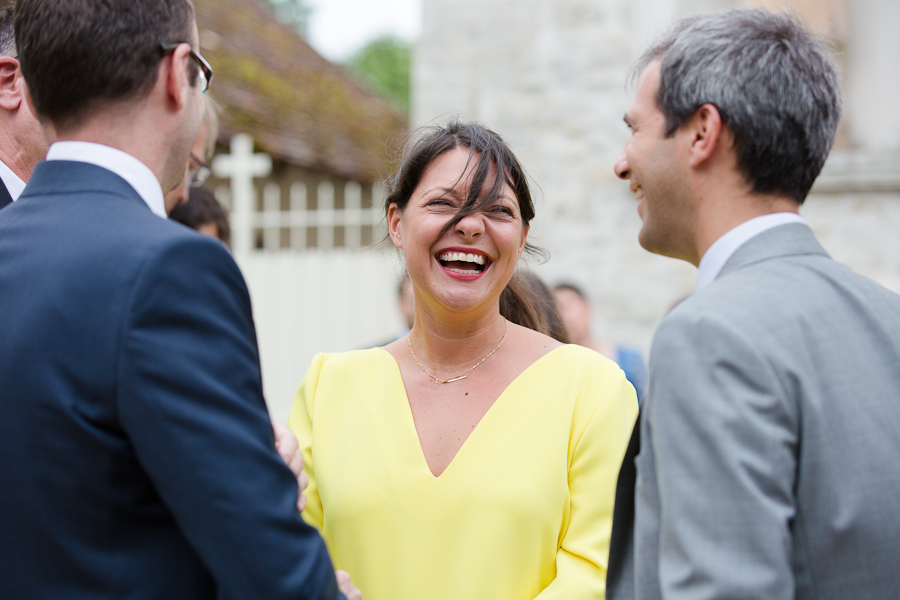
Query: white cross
241,166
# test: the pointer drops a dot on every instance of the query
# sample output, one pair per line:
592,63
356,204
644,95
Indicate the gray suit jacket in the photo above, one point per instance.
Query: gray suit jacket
771,434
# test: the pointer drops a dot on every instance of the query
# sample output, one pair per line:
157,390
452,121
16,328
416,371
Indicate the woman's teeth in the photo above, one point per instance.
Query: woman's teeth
463,261
478,259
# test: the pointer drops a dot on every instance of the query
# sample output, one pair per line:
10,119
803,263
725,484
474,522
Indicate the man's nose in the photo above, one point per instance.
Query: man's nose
623,171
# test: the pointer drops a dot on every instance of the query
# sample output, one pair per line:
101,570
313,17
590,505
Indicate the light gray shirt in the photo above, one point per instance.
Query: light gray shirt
719,253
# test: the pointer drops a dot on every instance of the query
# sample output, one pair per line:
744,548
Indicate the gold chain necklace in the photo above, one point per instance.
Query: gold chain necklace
466,374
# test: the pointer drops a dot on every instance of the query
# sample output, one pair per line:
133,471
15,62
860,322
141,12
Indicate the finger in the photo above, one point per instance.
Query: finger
295,464
285,441
346,586
302,483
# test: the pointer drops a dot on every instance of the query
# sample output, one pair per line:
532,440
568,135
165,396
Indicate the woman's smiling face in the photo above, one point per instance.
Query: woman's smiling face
466,267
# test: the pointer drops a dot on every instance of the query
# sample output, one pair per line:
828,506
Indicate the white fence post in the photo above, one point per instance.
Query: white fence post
241,166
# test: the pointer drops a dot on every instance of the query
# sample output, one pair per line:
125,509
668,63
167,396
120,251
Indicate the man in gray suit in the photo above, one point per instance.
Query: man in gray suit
770,433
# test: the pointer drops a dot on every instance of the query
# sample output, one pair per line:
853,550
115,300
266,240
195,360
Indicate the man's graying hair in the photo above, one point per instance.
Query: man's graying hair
772,82
7,35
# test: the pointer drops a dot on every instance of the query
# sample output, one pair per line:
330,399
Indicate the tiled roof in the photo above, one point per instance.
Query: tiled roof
297,106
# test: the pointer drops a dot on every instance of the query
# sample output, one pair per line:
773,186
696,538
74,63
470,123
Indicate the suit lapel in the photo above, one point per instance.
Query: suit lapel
620,574
5,198
793,239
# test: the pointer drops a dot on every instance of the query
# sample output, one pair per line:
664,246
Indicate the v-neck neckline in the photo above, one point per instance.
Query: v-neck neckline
411,422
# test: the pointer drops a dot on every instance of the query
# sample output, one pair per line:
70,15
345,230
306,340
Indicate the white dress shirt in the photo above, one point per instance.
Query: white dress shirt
13,184
719,253
137,174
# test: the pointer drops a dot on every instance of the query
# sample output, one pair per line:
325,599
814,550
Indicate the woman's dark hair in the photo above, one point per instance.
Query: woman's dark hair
539,311
517,302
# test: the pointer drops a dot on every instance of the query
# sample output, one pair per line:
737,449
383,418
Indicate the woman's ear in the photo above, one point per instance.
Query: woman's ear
394,229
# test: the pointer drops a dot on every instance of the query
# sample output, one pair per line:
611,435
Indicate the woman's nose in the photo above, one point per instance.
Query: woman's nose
471,225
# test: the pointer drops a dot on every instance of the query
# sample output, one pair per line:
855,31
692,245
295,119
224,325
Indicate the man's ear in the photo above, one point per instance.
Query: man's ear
705,129
11,83
393,218
174,71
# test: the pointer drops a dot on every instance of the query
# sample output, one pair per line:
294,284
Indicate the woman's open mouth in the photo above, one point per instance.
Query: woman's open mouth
464,263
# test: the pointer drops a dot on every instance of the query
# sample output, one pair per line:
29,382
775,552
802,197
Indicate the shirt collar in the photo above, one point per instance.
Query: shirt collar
137,174
13,184
719,253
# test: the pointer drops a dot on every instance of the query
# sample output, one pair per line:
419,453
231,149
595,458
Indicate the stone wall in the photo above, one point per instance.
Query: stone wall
550,78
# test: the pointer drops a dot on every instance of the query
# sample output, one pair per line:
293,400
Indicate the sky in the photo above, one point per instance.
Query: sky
337,28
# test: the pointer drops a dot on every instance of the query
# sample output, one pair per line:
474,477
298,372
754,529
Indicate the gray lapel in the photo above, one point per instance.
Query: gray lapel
793,239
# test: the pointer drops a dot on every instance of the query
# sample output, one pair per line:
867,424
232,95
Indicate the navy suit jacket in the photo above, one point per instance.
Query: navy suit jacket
5,198
137,458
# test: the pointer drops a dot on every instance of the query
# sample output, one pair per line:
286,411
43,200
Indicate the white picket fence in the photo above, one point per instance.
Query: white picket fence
316,301
307,300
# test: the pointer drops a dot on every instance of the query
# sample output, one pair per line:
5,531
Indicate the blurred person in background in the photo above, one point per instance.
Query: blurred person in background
475,458
406,303
198,170
405,308
203,213
577,314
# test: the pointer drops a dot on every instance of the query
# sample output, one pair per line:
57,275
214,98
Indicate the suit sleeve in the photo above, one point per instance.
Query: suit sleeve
723,439
190,399
596,455
300,422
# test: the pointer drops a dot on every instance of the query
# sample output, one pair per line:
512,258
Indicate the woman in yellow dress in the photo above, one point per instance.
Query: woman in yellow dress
476,458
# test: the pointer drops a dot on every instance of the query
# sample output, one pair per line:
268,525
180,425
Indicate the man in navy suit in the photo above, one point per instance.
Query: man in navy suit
136,455
22,141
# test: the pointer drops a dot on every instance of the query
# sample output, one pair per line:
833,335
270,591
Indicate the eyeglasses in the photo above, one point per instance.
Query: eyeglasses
206,72
199,174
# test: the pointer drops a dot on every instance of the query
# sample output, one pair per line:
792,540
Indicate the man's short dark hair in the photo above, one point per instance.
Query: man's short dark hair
200,209
78,55
772,82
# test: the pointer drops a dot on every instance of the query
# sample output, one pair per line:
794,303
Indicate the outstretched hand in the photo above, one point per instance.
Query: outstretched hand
289,450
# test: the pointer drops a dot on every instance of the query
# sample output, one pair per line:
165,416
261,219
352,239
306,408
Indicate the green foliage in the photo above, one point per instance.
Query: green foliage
384,64
293,12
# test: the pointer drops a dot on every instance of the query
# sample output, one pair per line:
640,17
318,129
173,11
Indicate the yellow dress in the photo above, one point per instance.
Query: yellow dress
524,510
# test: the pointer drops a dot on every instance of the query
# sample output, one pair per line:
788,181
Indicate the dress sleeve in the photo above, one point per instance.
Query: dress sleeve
300,422
596,453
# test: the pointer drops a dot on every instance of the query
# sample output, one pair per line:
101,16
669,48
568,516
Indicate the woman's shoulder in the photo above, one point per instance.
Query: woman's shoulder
546,354
353,362
573,359
341,375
